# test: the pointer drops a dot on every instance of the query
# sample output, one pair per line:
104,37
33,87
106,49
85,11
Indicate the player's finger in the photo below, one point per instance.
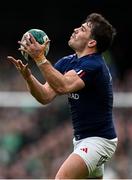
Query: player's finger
12,59
22,49
46,42
22,65
32,39
22,44
28,41
26,66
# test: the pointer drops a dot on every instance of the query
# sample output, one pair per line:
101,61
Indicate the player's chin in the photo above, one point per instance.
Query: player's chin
70,43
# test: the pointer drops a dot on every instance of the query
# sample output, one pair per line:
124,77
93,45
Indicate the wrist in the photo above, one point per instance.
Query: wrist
28,78
42,61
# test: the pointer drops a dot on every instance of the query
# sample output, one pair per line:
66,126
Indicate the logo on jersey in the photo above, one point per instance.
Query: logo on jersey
84,149
73,96
80,73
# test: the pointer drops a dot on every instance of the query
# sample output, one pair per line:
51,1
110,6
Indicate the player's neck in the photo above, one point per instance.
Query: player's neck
85,52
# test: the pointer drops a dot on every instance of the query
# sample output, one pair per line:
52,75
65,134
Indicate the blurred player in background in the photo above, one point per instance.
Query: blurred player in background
85,78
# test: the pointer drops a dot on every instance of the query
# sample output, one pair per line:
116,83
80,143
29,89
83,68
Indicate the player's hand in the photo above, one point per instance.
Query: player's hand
33,48
22,68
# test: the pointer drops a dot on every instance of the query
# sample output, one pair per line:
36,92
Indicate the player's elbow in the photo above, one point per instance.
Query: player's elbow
62,90
44,101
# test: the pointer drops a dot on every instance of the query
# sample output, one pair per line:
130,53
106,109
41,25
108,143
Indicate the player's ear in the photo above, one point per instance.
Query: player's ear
92,43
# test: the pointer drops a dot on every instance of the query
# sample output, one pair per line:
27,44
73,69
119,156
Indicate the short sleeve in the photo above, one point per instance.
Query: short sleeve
87,72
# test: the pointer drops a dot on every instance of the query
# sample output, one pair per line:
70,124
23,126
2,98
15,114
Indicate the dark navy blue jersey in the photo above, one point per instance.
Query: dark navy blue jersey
92,106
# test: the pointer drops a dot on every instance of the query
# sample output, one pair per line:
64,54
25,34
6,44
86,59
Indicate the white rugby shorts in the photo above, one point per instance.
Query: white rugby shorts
95,151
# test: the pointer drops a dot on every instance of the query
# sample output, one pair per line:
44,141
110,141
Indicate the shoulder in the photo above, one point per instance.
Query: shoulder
66,58
92,62
62,62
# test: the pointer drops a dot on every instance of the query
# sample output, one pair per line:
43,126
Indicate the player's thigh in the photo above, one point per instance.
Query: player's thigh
74,167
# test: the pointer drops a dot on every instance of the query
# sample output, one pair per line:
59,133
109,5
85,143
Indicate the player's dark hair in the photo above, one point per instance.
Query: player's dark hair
102,31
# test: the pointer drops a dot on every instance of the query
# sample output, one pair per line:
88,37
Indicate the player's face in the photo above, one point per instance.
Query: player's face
80,37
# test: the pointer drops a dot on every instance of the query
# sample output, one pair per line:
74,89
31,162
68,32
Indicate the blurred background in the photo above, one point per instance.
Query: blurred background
36,139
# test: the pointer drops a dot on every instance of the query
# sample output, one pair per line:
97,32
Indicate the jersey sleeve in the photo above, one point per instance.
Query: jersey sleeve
87,72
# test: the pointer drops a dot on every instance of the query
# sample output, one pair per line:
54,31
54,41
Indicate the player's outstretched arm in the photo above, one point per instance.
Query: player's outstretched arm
42,93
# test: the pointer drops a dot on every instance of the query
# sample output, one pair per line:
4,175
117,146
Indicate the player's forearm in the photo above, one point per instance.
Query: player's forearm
56,80
37,90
